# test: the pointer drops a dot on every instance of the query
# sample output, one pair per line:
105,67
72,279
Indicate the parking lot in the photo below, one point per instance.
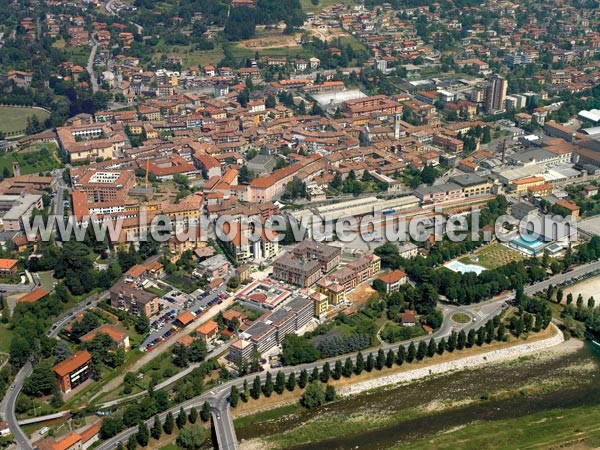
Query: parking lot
174,303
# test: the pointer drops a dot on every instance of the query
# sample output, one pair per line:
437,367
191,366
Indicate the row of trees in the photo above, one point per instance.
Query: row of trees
493,330
314,395
158,401
191,435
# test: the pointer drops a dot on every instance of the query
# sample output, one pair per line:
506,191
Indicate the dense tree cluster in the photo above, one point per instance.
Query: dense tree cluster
242,21
298,350
341,344
158,401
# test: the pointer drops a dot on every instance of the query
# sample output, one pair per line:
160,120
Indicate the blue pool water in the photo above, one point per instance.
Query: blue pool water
457,266
528,245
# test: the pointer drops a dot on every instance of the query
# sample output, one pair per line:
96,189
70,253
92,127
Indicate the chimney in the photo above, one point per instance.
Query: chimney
397,126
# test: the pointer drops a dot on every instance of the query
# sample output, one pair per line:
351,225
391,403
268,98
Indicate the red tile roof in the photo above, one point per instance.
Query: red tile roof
392,277
67,442
185,318
33,296
208,327
7,263
73,362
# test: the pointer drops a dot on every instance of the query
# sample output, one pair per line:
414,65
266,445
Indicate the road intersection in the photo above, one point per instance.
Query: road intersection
481,312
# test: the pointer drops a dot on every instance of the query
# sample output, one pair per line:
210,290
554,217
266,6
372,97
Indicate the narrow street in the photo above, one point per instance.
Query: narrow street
90,66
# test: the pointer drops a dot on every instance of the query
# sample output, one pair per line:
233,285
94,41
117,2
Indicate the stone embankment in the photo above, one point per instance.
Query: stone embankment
469,362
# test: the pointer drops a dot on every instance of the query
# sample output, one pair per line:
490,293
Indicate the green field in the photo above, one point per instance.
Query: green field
295,51
39,158
461,318
79,55
13,119
492,256
190,57
5,338
271,414
307,5
569,428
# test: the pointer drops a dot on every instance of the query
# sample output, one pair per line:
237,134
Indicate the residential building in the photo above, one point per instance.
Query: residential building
215,267
208,331
332,290
15,209
408,250
297,271
73,371
408,318
570,207
521,185
393,280
328,256
495,94
473,185
119,338
356,272
243,273
8,267
33,296
126,297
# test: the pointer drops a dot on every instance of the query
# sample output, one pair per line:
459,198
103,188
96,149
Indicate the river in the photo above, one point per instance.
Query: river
394,416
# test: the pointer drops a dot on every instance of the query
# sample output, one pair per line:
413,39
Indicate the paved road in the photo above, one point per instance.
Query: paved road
218,397
14,288
7,407
223,423
90,65
59,200
112,12
560,278
481,312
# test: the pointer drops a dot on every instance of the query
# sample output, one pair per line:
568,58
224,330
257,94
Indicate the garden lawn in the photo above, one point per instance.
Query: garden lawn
15,119
493,256
39,159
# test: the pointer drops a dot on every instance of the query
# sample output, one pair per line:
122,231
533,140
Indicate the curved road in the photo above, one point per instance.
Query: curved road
7,407
218,397
90,66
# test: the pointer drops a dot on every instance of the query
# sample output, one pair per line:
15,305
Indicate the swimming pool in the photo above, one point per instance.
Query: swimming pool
529,246
457,266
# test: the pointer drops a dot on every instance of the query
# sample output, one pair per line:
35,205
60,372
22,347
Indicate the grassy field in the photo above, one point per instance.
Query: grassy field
571,428
353,42
77,55
15,119
59,43
492,256
307,5
5,338
199,58
155,290
190,56
271,414
461,318
35,159
295,51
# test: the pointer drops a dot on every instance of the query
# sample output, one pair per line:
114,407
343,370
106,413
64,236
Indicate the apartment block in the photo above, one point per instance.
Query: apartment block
126,297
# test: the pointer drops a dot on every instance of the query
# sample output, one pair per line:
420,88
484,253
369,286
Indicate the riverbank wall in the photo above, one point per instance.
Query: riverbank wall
469,362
